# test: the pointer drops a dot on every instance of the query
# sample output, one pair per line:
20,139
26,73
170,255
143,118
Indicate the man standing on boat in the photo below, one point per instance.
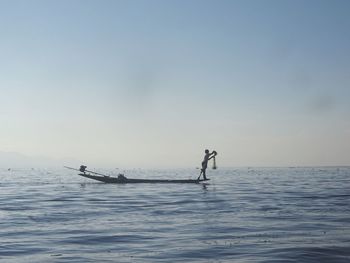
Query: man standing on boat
207,157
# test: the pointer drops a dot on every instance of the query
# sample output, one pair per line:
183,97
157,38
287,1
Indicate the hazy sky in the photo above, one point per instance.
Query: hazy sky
153,83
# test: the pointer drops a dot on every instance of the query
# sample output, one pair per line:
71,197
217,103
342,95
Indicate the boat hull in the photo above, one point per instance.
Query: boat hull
114,180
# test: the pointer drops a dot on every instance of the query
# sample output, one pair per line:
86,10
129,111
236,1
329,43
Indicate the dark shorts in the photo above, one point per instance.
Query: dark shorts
204,165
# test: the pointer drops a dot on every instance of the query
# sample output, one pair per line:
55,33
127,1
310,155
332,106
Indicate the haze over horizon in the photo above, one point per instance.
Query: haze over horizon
154,83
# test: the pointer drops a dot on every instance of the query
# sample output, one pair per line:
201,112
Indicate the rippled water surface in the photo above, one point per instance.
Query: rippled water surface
242,215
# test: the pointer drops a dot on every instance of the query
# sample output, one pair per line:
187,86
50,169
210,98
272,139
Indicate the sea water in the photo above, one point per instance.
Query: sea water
241,215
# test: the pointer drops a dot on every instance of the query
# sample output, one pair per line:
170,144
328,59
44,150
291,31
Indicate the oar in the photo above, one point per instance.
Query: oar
200,174
71,168
85,171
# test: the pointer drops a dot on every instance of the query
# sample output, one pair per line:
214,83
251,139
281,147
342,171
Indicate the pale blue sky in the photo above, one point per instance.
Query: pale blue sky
154,83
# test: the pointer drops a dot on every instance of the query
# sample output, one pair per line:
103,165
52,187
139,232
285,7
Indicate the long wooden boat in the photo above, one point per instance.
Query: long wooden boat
124,180
121,179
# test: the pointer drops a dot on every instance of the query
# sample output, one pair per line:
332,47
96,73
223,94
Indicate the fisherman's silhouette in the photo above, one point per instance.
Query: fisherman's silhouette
207,157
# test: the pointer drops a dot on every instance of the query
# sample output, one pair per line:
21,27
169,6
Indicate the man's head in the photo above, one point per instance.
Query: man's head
206,151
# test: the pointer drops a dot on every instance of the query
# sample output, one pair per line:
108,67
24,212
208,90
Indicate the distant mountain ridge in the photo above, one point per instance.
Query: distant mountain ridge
19,160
